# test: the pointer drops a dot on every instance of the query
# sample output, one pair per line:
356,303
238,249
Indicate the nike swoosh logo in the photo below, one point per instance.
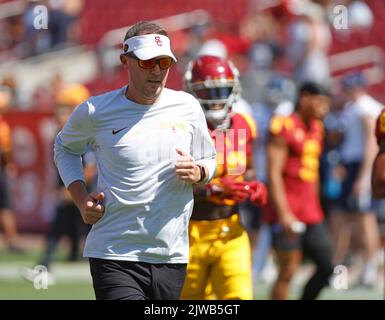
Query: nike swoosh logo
117,131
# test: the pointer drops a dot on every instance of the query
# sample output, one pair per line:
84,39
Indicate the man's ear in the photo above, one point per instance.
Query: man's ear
123,60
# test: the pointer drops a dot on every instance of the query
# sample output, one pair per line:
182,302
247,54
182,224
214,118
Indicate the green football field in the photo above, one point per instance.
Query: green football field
73,281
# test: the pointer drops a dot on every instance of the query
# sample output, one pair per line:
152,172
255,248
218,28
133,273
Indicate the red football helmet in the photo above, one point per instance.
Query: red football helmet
214,82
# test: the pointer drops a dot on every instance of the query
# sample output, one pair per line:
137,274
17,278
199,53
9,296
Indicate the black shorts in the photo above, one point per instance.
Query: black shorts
347,201
129,280
315,236
4,193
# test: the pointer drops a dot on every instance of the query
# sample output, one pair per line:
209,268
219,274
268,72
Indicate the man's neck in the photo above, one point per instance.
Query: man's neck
140,100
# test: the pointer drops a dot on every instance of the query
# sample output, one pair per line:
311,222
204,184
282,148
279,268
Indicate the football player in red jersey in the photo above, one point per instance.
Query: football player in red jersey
294,212
378,173
219,245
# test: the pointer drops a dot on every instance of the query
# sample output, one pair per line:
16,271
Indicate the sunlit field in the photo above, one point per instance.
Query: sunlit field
73,281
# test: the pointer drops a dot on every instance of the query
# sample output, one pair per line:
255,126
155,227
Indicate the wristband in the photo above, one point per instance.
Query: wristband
202,173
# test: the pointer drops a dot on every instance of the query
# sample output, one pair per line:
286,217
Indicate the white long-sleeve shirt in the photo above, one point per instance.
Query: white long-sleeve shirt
147,207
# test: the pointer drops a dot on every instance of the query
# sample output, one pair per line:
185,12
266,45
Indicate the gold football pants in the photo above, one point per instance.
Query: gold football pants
220,262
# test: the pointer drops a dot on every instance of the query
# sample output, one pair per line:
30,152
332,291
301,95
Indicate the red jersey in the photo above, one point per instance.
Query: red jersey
300,174
234,151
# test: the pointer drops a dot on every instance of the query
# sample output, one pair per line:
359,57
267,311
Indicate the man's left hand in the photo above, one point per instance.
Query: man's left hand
186,168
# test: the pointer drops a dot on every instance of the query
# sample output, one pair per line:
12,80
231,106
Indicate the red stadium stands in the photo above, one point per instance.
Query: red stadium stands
99,16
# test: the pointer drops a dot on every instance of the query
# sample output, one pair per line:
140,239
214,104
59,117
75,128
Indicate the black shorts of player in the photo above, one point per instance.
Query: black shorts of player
129,280
4,194
347,201
315,235
316,246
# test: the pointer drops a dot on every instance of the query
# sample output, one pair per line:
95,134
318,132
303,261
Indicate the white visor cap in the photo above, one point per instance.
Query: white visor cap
149,46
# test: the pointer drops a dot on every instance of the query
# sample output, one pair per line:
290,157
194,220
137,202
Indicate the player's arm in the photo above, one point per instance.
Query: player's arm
6,145
323,136
257,190
277,153
378,173
63,195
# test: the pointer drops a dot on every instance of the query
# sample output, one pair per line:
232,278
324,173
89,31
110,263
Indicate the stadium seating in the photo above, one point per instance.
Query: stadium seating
124,14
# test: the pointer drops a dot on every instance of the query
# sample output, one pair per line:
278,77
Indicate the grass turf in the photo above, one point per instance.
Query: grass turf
74,282
23,290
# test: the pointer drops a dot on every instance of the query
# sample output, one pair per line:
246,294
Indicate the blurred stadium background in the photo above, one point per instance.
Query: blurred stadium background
82,44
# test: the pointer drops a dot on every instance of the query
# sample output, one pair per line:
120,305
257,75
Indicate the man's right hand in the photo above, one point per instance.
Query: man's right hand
93,209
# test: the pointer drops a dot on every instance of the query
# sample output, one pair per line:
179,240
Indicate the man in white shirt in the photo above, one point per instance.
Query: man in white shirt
357,151
151,144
